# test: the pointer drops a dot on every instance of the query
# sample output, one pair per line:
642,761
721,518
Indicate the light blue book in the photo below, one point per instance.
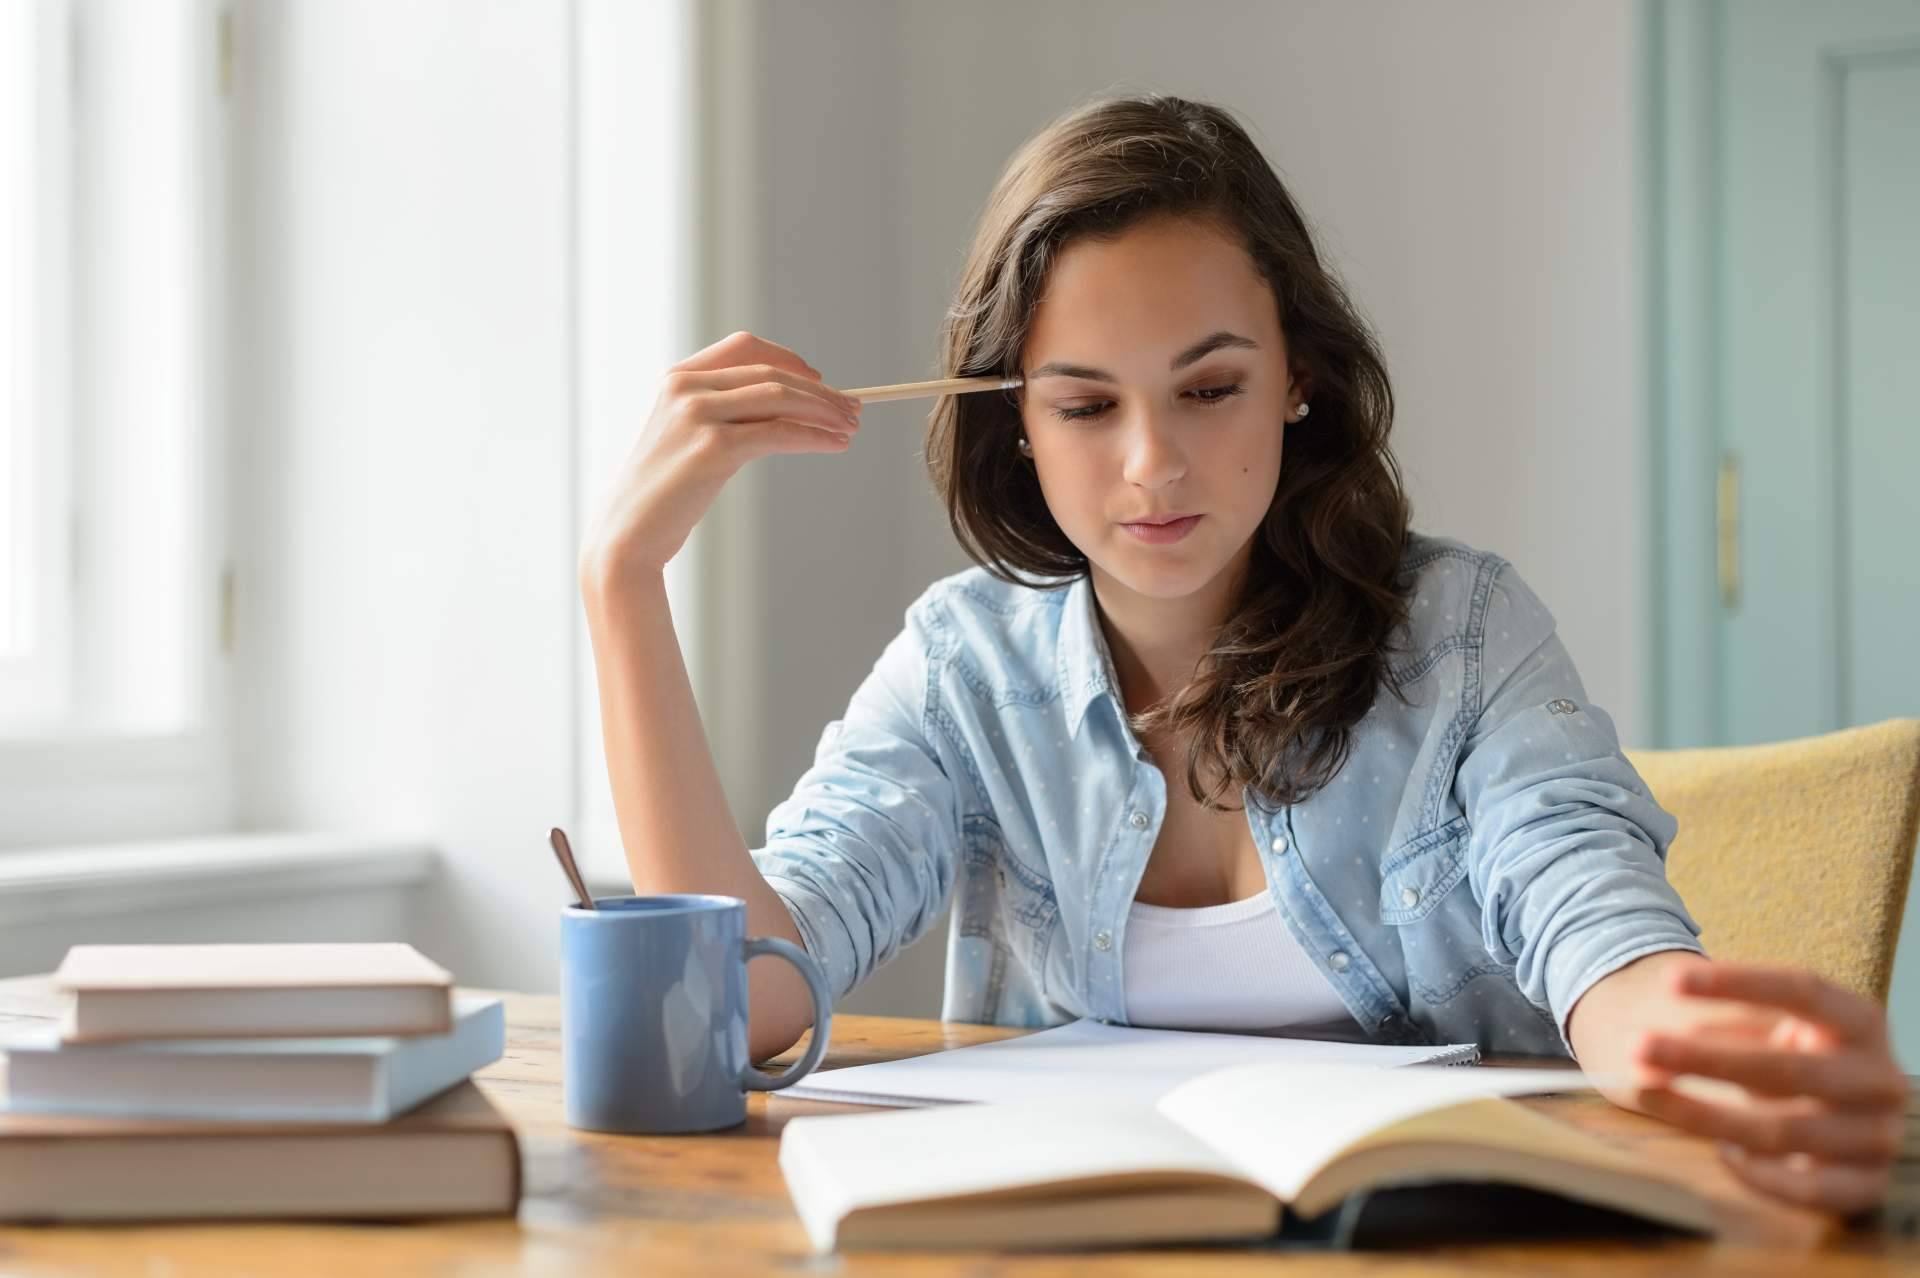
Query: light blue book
327,1080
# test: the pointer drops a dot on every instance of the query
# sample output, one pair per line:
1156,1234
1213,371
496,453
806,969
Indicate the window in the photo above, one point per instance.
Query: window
35,607
109,502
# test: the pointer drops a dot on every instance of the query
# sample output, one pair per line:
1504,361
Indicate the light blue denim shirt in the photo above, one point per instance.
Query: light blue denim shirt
1483,857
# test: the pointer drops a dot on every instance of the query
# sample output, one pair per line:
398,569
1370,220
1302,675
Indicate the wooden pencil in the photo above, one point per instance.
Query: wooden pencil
919,390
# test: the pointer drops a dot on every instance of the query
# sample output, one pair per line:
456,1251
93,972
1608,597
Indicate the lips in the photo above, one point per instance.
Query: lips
1162,530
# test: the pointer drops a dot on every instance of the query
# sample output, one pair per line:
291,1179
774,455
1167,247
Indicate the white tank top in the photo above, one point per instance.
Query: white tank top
1224,967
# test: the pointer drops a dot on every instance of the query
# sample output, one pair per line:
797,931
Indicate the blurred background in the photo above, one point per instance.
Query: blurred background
322,326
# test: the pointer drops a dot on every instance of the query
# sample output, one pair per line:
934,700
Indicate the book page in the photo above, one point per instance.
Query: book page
1279,1124
835,1164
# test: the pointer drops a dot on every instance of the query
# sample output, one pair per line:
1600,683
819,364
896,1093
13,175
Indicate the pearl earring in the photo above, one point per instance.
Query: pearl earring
1026,449
1302,412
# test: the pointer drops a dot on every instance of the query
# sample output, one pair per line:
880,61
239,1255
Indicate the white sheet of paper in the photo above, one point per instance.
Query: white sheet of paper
1089,1060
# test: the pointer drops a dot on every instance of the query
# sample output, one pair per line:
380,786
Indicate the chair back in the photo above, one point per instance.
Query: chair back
1798,852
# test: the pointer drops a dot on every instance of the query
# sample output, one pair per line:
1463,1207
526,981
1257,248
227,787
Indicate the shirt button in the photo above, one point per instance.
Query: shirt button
1409,897
1279,844
1103,940
1338,960
1138,820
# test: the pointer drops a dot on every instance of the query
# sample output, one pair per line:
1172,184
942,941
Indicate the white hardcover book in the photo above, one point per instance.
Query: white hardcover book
330,1080
303,990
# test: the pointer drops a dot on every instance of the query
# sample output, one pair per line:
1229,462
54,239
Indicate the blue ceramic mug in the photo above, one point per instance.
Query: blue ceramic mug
653,1013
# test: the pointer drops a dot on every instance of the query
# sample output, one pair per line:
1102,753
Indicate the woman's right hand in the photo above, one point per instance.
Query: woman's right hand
742,397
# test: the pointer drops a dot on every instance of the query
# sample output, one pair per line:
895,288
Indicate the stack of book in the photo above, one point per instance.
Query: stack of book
313,1081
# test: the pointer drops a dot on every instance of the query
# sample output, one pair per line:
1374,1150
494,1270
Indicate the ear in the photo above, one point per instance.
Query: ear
1302,389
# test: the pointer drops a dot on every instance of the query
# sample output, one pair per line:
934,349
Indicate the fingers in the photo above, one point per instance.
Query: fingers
1755,1026
746,375
1841,1136
775,398
1845,1078
767,401
1790,989
1845,1188
748,410
795,437
750,395
745,348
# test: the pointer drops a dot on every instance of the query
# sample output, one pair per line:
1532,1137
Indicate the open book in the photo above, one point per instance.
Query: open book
1220,1157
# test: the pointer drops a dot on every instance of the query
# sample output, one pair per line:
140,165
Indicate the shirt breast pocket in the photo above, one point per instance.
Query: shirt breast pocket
1415,879
1001,897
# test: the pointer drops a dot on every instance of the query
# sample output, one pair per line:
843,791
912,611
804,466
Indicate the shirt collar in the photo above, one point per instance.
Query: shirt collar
1082,661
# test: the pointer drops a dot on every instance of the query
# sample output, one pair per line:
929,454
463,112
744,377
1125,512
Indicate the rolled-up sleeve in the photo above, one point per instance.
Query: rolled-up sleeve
863,851
1567,855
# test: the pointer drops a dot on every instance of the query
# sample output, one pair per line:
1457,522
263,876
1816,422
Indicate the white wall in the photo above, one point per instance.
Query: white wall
402,452
403,465
1471,171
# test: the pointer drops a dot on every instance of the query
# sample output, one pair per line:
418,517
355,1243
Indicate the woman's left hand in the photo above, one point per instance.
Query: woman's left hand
1820,1111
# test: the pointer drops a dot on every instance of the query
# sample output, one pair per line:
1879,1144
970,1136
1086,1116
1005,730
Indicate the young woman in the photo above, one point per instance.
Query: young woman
1210,738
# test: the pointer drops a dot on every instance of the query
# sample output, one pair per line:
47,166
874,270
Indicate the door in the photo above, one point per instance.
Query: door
1787,339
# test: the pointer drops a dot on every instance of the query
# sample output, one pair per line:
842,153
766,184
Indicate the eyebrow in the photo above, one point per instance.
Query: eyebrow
1215,341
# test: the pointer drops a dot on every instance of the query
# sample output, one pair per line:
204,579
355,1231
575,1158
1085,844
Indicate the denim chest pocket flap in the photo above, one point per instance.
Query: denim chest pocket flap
997,881
1415,879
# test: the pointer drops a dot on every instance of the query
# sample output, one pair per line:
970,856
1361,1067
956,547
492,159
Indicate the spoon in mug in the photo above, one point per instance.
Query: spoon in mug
564,851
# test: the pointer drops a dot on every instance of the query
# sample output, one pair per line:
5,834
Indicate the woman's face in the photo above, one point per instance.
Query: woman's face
1157,386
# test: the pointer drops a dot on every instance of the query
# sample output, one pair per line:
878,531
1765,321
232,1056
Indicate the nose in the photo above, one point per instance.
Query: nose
1154,456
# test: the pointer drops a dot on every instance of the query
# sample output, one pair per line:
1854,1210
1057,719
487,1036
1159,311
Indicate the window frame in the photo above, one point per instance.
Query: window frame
108,767
36,684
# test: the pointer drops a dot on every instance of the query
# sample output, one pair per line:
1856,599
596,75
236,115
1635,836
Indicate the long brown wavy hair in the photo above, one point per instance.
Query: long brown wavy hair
1305,650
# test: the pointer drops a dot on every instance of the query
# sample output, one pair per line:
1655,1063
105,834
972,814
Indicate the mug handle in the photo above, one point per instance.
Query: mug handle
752,1079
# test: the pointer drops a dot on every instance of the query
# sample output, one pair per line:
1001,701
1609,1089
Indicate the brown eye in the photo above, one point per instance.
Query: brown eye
1216,394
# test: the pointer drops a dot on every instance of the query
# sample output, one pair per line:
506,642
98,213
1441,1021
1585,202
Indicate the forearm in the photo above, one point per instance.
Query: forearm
1621,1008
675,825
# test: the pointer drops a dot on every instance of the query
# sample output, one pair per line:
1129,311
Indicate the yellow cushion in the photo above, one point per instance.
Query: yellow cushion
1797,852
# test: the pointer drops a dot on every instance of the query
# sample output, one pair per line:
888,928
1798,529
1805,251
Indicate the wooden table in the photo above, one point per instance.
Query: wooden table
715,1204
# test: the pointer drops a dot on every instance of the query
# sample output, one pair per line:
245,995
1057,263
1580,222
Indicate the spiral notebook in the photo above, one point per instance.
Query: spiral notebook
1093,1060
